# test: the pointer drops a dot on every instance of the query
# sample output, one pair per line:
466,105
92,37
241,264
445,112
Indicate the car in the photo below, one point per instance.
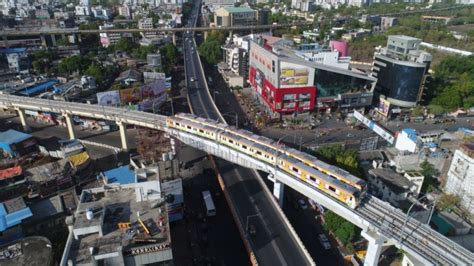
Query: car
302,204
192,79
324,241
252,229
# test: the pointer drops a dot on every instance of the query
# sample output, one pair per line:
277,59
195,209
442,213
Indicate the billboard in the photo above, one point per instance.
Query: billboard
384,107
259,78
130,95
292,75
111,98
375,127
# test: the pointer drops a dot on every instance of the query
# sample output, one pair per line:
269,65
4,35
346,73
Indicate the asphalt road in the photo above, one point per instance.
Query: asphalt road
273,243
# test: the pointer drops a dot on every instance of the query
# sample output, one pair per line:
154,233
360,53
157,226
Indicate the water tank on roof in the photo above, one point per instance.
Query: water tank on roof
89,214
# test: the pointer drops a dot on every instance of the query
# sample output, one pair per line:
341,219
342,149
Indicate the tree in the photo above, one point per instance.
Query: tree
430,173
436,109
345,231
210,49
447,201
336,154
417,111
124,45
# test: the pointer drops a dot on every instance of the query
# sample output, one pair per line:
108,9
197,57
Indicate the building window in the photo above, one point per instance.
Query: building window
273,66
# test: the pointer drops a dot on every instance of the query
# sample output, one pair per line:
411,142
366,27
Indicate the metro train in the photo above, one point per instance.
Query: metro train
333,181
333,171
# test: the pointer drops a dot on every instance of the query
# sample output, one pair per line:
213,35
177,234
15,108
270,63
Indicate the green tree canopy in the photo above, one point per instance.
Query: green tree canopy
336,154
210,49
345,231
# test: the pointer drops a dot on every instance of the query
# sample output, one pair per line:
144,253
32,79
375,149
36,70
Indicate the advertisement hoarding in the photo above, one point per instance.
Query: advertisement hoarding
292,75
384,107
375,127
110,98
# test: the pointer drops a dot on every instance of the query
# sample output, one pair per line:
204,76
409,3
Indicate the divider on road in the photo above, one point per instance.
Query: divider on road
240,226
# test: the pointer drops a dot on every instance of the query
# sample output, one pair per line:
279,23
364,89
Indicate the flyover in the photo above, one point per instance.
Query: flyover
276,242
381,223
6,32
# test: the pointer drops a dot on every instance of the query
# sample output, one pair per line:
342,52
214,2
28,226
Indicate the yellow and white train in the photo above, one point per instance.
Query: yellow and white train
332,180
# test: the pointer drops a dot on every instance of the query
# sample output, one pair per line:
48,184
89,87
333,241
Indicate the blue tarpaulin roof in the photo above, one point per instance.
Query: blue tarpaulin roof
9,137
122,175
12,50
12,136
8,220
38,88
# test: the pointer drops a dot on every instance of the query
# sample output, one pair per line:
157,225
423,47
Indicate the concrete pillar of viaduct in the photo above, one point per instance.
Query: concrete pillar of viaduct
123,134
22,115
278,192
174,39
70,126
376,243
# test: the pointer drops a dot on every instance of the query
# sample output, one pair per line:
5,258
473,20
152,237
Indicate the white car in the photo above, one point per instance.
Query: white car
192,79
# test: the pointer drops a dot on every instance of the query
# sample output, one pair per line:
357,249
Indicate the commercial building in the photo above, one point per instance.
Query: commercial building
460,178
216,4
287,81
235,16
119,225
154,60
401,70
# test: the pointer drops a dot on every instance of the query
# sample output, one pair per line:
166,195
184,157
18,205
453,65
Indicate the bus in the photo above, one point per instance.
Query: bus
210,208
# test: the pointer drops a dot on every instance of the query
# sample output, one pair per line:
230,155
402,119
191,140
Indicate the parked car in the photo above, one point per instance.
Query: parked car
324,241
252,229
302,204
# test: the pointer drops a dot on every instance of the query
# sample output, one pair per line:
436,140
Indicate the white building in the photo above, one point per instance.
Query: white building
82,11
465,2
303,5
107,39
146,24
460,178
407,140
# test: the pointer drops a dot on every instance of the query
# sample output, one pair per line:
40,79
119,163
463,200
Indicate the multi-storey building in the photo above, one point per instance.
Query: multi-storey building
146,24
234,16
401,69
235,67
303,5
460,178
107,39
287,82
120,225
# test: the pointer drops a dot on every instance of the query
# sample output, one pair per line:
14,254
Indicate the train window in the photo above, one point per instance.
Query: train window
188,127
294,169
201,131
176,123
244,147
332,189
259,153
312,178
251,149
271,158
350,198
231,141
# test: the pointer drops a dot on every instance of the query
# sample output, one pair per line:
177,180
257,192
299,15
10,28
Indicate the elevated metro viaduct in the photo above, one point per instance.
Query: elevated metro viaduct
381,223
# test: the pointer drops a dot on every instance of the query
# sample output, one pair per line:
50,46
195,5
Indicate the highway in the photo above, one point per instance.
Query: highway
274,243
